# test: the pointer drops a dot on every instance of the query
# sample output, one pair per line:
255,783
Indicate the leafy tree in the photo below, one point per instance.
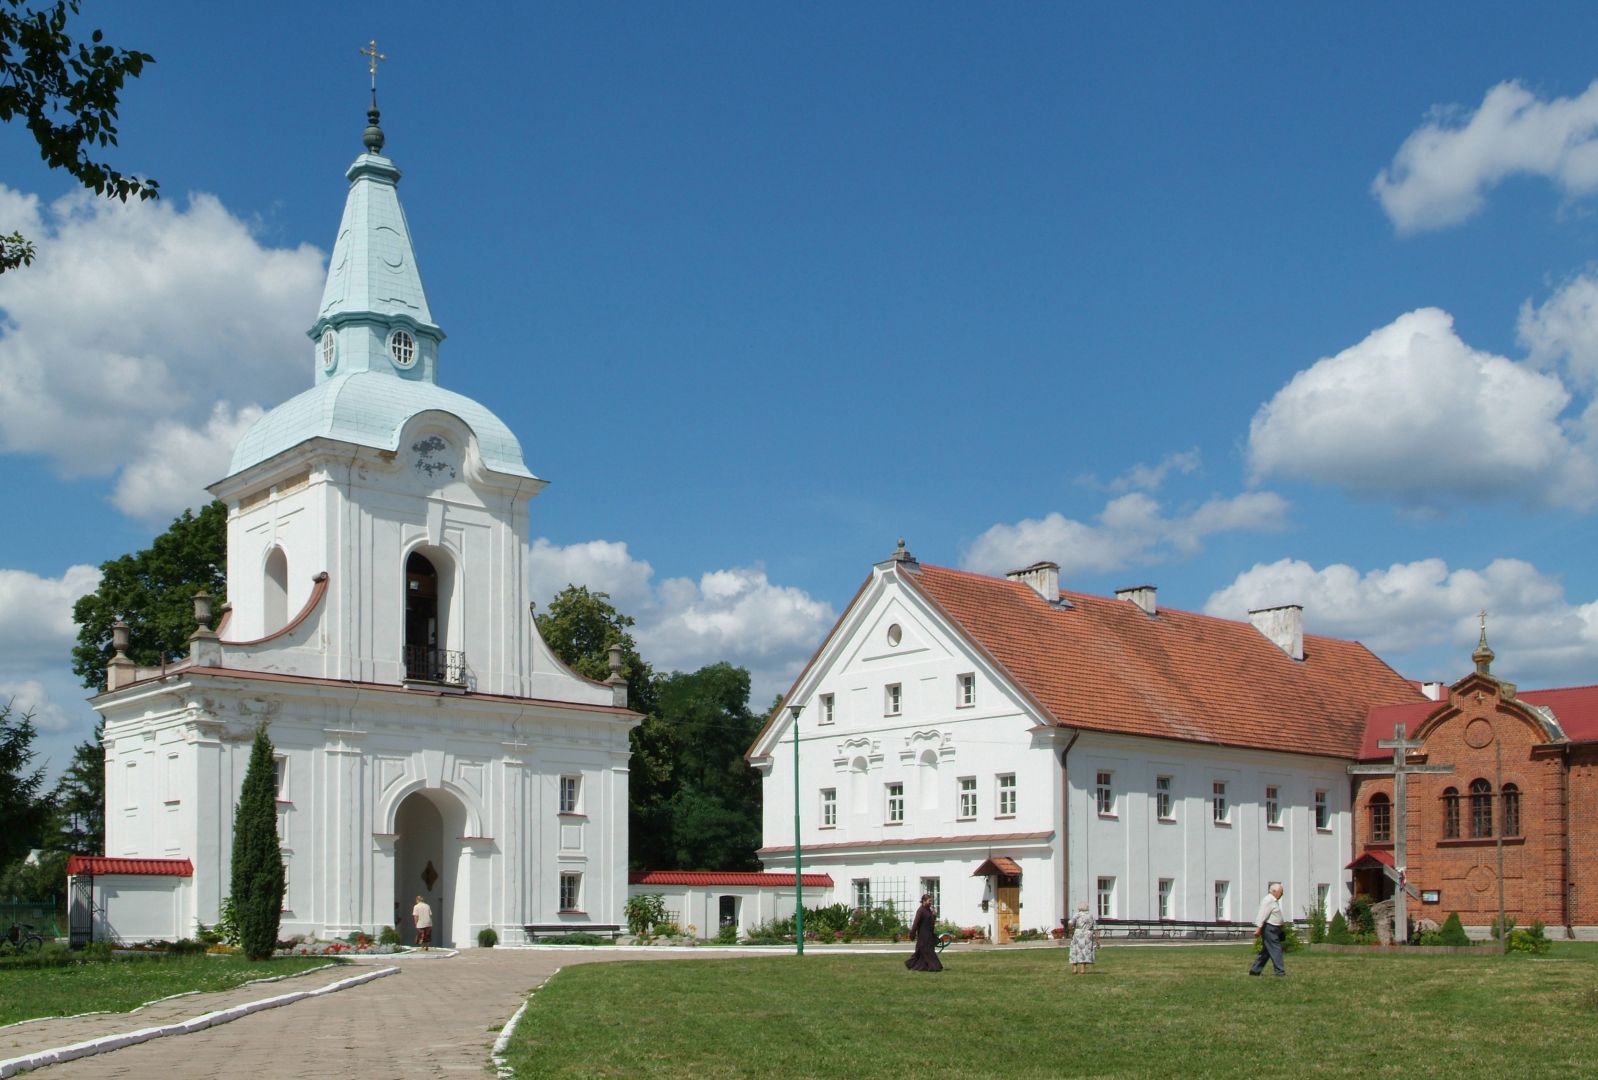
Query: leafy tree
257,856
66,93
715,802
80,800
24,807
153,592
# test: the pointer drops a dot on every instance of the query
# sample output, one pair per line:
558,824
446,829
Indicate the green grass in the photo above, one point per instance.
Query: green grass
1185,1012
125,983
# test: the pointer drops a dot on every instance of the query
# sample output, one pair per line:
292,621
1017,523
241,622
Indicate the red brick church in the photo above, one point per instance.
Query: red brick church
1524,783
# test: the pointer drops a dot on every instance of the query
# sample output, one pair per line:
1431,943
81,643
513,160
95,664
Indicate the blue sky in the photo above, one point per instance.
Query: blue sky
1256,305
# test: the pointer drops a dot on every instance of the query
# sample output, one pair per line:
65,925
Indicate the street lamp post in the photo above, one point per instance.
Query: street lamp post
793,711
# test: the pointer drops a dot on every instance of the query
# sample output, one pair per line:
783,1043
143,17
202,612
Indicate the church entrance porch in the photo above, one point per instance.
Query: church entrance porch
428,827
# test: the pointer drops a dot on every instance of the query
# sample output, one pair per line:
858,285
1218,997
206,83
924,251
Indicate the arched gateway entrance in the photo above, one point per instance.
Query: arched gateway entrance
428,826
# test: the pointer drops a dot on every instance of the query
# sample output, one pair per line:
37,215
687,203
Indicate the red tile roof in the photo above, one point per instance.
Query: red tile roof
1106,665
998,864
100,864
717,877
1380,855
1575,708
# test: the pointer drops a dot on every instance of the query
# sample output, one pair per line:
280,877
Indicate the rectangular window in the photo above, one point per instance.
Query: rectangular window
1106,897
1166,887
1323,811
965,691
828,712
968,796
1321,891
1106,792
280,777
895,804
1381,819
1273,806
571,891
1162,799
1221,907
1006,793
934,887
893,701
1220,807
862,892
570,788
829,808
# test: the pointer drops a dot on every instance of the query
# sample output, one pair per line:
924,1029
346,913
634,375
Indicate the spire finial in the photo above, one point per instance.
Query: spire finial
373,136
1484,653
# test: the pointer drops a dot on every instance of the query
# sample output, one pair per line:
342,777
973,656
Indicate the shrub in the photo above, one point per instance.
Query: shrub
727,935
1291,942
487,937
578,938
1337,932
388,936
1533,940
1317,924
827,921
1453,932
1360,919
644,912
186,947
1497,931
1430,937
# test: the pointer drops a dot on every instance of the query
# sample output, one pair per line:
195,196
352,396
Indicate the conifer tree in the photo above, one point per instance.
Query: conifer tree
257,856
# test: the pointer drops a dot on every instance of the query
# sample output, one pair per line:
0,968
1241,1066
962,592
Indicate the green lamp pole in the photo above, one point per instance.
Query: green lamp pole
798,874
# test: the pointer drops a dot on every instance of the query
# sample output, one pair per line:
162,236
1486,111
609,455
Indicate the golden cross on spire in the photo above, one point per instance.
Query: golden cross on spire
372,57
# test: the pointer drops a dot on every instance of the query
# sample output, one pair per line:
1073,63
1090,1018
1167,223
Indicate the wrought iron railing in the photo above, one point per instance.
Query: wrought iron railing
445,666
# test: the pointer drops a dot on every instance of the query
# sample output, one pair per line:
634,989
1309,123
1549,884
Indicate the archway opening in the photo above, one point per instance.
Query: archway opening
275,595
428,826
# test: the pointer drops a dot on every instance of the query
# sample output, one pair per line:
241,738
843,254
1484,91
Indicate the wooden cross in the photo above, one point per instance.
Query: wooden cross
1398,770
372,57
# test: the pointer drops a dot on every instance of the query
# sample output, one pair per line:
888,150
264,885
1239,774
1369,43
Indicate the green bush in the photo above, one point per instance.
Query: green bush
1291,942
388,936
1337,932
1497,931
1430,937
644,913
727,935
1453,932
1533,940
1360,918
578,938
487,937
1317,924
775,932
827,921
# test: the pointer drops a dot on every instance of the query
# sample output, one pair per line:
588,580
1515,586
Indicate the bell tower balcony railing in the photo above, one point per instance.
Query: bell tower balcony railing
444,666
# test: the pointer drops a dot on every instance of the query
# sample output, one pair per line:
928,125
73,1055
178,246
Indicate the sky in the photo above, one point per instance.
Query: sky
1254,304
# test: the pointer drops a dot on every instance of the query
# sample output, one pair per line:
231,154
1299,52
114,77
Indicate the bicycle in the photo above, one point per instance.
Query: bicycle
21,940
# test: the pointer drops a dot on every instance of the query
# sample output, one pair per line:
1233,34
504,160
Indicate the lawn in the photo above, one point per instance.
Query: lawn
1166,1012
125,983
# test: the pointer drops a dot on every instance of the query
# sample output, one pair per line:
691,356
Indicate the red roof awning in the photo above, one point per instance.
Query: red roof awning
717,877
998,864
95,865
1373,856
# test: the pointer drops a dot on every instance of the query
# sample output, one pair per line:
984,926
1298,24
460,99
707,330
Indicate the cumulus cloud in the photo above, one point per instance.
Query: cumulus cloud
28,697
600,565
1562,332
1424,615
36,626
1152,477
1442,171
1131,529
1413,412
140,318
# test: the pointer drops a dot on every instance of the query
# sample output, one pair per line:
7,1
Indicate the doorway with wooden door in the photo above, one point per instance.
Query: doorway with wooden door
1007,896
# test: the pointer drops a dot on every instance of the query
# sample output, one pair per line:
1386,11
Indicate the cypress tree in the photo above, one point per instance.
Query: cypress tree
257,857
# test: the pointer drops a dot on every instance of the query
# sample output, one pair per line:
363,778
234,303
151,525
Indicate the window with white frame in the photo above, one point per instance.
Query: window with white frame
1164,809
895,808
828,709
571,891
571,788
968,796
965,691
1106,897
934,887
1222,908
1105,788
1321,891
862,892
1273,806
1006,795
1323,811
1221,809
829,808
893,700
1167,886
280,777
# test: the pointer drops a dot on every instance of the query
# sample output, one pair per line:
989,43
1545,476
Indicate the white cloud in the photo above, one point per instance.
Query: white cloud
175,462
1130,529
1443,169
1424,614
147,317
29,697
1152,477
1413,412
601,565
36,626
1562,333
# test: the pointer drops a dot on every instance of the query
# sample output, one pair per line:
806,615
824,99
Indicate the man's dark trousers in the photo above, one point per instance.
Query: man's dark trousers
1270,946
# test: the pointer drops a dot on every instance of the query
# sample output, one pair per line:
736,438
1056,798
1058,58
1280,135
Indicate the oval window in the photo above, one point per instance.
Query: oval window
895,635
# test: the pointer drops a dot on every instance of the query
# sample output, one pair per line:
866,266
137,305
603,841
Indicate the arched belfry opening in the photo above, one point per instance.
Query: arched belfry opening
428,656
275,594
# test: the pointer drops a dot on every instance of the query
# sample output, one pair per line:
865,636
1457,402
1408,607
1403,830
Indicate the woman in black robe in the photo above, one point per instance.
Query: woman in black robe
924,930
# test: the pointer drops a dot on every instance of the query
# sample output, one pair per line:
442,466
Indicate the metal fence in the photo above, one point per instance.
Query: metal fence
45,916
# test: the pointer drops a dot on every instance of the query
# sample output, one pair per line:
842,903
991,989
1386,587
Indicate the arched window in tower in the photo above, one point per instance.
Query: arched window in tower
1451,813
1481,808
1510,809
426,658
1381,811
275,592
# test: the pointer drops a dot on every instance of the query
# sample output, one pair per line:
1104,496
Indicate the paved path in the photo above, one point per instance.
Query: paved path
432,1019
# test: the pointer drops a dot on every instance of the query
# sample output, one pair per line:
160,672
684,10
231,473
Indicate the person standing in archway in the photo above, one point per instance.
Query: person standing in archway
423,916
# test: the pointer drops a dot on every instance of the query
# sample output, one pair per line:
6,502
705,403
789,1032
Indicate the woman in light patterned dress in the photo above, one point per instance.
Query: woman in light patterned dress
1084,940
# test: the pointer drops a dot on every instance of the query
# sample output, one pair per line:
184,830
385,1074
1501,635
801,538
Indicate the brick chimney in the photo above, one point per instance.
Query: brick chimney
1044,577
1284,626
1141,595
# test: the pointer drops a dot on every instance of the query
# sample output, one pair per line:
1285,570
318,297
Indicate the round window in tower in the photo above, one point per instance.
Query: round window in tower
402,348
329,349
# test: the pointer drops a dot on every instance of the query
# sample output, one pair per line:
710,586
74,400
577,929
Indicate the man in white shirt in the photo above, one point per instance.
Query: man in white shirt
423,914
1269,922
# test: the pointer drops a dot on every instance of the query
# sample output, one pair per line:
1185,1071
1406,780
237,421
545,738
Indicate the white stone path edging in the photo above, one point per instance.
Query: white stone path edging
505,1033
107,1043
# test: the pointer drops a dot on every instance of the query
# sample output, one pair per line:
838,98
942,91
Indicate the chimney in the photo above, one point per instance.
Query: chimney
1044,577
1433,690
1142,596
1284,626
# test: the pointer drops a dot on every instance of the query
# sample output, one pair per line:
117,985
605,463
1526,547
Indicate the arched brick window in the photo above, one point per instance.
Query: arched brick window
1451,814
1481,808
1511,810
1381,811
